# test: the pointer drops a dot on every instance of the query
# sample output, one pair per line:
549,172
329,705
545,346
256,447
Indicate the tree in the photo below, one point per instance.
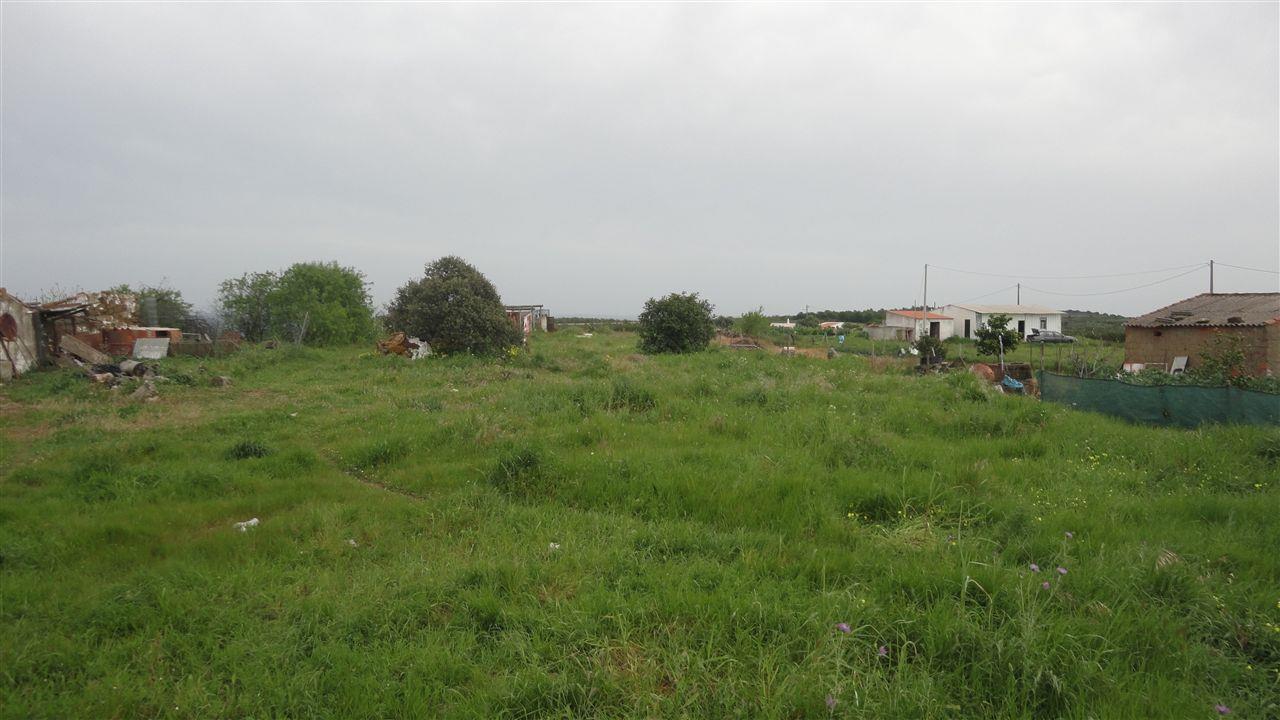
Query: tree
323,303
170,309
754,323
990,335
455,308
678,323
244,304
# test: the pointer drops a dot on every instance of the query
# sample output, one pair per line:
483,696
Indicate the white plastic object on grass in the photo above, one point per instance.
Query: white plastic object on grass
553,546
244,526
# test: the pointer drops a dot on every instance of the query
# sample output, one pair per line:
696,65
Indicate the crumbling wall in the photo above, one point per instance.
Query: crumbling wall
19,339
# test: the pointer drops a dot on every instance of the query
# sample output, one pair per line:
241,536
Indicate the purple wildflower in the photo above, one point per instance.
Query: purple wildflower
844,628
1035,567
1045,584
1222,709
1070,535
1062,570
883,651
831,701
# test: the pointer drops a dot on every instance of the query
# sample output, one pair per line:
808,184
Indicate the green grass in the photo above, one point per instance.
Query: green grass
716,517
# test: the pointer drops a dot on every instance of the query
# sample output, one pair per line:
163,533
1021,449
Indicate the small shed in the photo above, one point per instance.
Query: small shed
1188,327
527,318
939,326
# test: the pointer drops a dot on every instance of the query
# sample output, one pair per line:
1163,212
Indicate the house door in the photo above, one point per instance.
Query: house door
966,329
935,329
1022,328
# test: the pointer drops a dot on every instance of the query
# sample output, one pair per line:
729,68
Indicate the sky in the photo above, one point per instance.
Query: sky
589,157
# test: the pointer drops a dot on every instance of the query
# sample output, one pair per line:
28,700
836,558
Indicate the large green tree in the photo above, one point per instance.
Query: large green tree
677,323
323,303
455,309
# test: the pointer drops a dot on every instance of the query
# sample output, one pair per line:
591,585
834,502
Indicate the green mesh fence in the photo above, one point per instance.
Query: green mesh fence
1177,405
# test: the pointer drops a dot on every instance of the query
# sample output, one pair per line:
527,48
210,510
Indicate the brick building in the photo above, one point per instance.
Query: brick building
1186,328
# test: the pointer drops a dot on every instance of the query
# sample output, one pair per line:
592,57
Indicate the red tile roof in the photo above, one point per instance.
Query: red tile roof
918,315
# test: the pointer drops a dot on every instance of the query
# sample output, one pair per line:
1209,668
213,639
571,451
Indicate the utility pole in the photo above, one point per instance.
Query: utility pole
924,316
1210,277
1019,293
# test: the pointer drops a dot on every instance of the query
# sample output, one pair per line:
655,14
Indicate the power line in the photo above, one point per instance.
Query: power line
1069,277
993,292
1241,267
1115,292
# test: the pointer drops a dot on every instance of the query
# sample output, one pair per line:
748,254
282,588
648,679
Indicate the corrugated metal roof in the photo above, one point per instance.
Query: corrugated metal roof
1010,309
917,315
1216,309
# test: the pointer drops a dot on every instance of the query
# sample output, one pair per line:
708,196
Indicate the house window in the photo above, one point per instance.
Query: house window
1044,323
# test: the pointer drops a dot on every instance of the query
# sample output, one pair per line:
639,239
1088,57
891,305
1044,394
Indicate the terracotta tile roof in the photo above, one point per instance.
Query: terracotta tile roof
1213,310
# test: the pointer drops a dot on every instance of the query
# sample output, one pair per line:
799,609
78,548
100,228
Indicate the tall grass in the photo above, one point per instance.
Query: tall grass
586,532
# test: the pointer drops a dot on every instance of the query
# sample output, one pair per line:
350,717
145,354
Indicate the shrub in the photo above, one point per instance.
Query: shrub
455,308
930,347
753,324
995,333
677,323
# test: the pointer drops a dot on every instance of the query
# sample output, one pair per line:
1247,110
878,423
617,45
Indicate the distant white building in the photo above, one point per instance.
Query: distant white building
788,325
916,322
831,325
967,318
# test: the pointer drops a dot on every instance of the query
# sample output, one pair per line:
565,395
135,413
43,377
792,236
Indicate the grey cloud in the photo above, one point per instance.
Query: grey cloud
589,157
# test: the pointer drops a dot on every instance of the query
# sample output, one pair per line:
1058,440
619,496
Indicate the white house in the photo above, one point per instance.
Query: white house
940,326
788,325
1023,318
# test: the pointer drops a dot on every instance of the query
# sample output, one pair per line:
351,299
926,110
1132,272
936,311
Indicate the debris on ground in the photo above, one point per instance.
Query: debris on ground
221,381
145,391
983,371
553,546
401,344
245,525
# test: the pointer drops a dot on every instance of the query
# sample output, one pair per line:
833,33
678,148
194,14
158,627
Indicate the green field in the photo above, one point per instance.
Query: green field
581,531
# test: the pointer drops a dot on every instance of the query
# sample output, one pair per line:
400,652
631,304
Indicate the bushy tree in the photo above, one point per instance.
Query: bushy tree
930,347
455,308
171,310
754,323
990,335
677,323
244,304
324,303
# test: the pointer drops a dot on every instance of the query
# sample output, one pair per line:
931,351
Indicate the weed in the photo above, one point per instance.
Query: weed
246,449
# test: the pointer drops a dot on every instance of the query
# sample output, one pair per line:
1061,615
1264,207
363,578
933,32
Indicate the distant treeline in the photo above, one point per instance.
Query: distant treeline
850,316
1101,326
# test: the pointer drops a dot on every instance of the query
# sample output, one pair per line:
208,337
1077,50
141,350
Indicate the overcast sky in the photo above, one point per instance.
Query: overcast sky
591,156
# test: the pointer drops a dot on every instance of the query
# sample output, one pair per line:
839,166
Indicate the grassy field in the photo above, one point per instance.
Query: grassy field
586,532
